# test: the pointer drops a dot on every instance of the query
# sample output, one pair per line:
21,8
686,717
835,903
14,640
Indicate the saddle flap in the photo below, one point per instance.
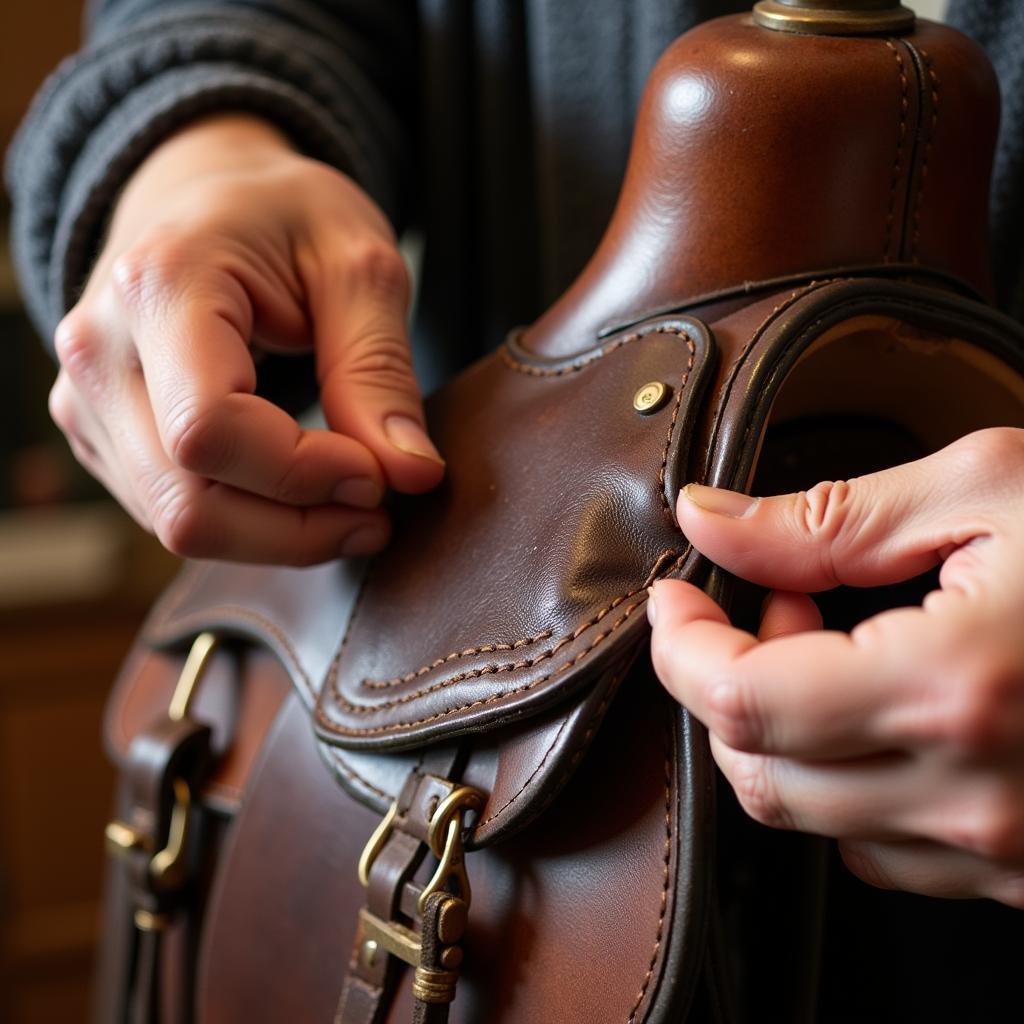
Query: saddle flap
523,576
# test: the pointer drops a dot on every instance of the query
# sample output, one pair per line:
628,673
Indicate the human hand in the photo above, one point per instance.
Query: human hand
905,738
225,242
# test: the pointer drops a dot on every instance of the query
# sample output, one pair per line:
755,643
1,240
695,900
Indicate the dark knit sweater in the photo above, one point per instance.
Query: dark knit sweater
501,128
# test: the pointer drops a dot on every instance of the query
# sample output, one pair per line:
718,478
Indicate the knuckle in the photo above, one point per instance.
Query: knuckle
982,719
379,267
197,440
756,791
180,525
732,715
1011,891
994,828
61,405
822,510
145,272
860,862
1001,447
822,517
382,359
76,342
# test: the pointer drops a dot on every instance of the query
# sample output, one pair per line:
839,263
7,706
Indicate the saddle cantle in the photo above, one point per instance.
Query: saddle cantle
795,280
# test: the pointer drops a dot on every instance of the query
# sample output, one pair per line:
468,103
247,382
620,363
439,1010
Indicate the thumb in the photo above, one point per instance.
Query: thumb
368,388
868,531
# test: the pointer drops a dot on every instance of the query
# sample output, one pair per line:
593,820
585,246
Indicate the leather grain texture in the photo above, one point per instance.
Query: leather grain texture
796,236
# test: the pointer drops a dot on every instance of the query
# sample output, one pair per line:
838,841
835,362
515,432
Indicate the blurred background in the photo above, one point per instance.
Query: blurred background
76,578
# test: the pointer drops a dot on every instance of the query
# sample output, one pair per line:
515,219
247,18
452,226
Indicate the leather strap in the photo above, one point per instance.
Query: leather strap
166,763
373,973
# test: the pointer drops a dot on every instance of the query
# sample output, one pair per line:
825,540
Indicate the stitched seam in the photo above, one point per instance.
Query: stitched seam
672,424
538,371
522,789
919,201
272,628
480,702
592,724
898,161
408,677
666,881
455,656
726,390
350,773
492,669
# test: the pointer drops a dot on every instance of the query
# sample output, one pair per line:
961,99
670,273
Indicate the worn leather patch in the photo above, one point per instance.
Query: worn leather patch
525,573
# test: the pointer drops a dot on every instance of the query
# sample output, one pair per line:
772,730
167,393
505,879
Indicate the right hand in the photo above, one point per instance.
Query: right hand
226,242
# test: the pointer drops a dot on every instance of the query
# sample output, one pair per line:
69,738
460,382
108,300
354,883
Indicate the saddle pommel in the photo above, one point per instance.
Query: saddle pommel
761,154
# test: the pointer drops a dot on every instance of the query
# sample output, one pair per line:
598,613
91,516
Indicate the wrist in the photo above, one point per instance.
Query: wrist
212,146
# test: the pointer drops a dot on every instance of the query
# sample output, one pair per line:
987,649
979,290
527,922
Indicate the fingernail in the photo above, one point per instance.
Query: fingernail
364,540
409,437
721,502
359,492
652,608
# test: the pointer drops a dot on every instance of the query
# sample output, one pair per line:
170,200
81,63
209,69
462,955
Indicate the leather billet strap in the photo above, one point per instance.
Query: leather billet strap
386,938
167,763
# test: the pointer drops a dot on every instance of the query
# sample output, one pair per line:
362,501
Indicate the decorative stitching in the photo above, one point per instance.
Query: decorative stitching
539,371
335,727
351,773
666,881
375,684
507,666
672,425
591,726
486,670
729,378
239,611
898,162
408,677
919,201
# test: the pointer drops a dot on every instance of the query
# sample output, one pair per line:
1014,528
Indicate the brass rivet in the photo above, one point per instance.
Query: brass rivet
451,922
651,397
451,957
369,954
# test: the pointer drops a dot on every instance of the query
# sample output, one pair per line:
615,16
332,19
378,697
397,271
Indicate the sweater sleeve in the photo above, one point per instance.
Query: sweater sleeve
331,75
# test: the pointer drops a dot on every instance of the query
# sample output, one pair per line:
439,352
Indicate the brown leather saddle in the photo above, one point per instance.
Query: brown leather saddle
453,763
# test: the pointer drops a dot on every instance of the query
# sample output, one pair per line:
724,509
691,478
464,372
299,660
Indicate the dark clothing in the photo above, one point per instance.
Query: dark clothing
501,128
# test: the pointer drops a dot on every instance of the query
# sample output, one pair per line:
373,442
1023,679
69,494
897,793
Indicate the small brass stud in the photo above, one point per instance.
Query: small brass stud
369,953
451,958
651,397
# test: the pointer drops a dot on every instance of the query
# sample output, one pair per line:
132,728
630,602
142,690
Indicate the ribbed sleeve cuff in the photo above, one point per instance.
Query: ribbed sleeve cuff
104,110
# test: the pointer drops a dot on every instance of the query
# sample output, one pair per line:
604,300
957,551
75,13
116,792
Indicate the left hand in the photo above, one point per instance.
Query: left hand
905,738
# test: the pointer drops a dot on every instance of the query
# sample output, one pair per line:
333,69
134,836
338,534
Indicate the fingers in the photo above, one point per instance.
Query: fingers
199,518
192,516
873,530
368,387
933,869
806,694
785,612
190,323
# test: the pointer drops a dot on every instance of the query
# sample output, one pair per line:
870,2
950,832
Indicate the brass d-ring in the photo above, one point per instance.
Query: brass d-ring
463,798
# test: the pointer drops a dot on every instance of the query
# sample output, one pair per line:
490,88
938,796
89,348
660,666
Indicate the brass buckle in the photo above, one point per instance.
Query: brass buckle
444,836
166,867
191,675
